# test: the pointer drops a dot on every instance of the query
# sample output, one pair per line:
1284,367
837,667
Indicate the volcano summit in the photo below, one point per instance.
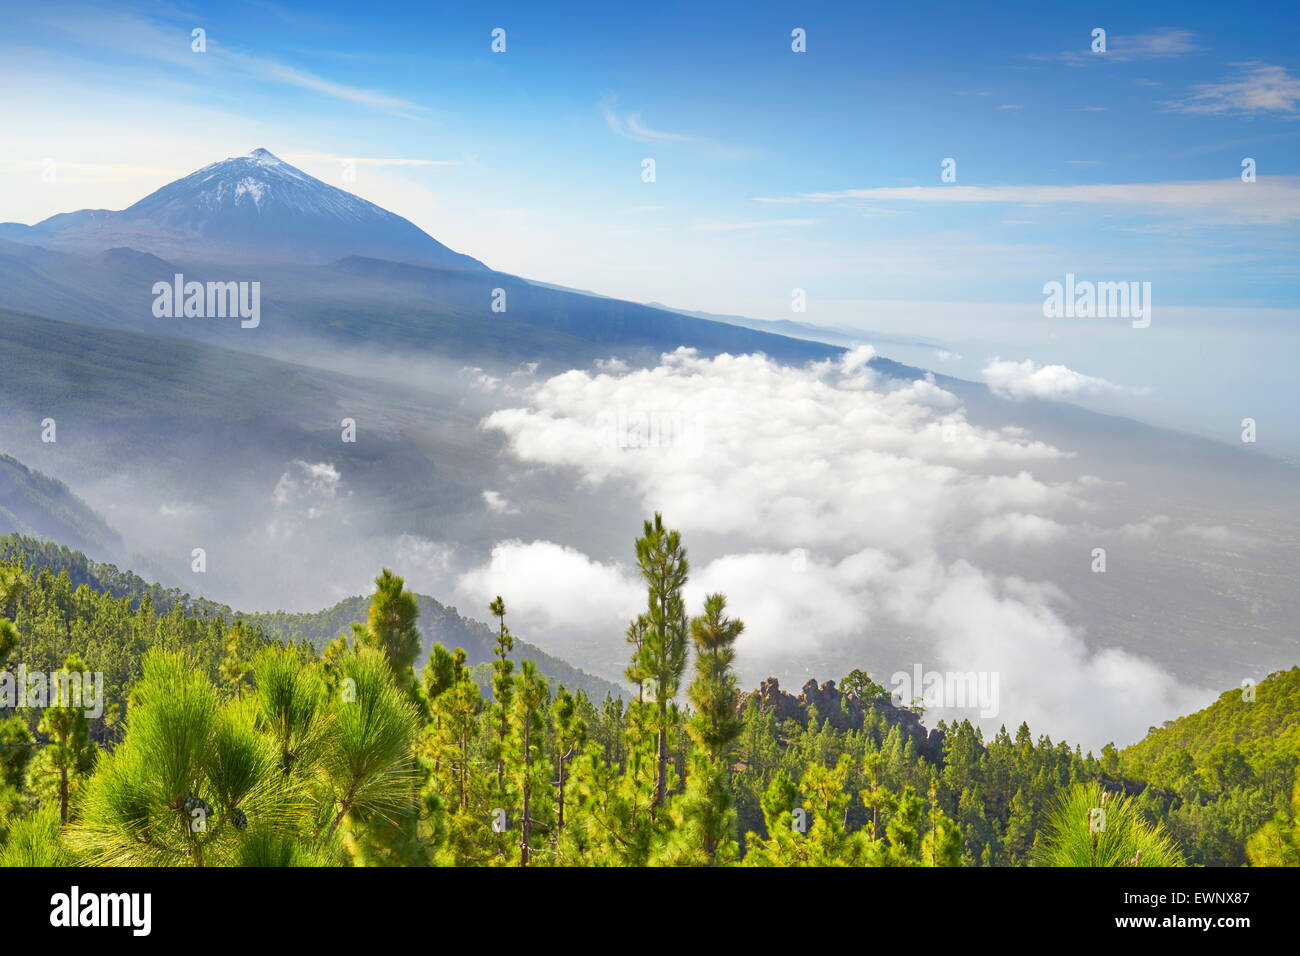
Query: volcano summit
246,209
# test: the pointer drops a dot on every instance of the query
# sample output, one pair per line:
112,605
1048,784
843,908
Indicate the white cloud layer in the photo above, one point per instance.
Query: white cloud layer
549,586
831,505
1028,379
1271,201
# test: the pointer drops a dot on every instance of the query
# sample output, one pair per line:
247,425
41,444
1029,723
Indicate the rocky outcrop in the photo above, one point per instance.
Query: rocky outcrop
845,712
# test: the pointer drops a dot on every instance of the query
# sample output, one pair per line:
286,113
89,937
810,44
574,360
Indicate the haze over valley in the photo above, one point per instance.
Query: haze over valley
401,405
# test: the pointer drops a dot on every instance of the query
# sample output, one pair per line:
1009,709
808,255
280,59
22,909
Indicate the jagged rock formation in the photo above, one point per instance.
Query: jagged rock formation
843,711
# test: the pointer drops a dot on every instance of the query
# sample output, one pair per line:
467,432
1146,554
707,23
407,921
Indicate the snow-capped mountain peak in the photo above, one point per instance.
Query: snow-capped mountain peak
251,208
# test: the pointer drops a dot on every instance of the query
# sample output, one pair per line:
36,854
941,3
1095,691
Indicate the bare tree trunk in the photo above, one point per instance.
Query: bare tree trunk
526,827
460,774
559,809
661,779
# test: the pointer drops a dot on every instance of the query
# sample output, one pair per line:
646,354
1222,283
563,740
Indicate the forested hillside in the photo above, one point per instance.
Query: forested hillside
1218,773
220,745
437,622
38,554
34,504
1261,720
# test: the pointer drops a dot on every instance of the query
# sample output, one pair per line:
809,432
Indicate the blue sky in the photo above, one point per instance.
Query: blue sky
775,170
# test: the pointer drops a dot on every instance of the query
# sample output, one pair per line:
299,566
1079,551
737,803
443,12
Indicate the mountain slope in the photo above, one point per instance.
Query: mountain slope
34,504
42,555
331,266
252,208
1260,725
380,305
437,622
806,330
172,420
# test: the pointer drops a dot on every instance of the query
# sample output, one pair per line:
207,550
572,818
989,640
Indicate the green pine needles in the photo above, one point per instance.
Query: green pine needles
221,747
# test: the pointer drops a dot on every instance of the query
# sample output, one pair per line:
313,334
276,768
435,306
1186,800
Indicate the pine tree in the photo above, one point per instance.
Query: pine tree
875,798
661,655
786,823
8,639
1110,760
17,748
1021,827
715,724
528,735
71,752
570,738
704,816
1277,843
391,628
236,665
829,842
616,825
980,835
439,673
502,687
457,728
186,781
942,845
13,580
367,760
859,685
903,831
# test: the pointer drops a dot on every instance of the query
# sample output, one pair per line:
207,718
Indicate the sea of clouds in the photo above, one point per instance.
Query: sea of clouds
834,504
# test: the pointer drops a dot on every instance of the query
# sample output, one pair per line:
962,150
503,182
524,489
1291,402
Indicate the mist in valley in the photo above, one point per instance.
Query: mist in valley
854,519
481,434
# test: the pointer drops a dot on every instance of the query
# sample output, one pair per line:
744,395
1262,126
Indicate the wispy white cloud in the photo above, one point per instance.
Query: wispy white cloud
155,40
1271,200
1258,88
630,126
81,173
497,503
369,161
1162,44
1168,42
1028,379
1019,529
278,72
714,226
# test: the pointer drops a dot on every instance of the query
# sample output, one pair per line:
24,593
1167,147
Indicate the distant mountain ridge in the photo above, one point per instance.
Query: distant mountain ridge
333,267
32,503
376,302
831,335
437,621
245,209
